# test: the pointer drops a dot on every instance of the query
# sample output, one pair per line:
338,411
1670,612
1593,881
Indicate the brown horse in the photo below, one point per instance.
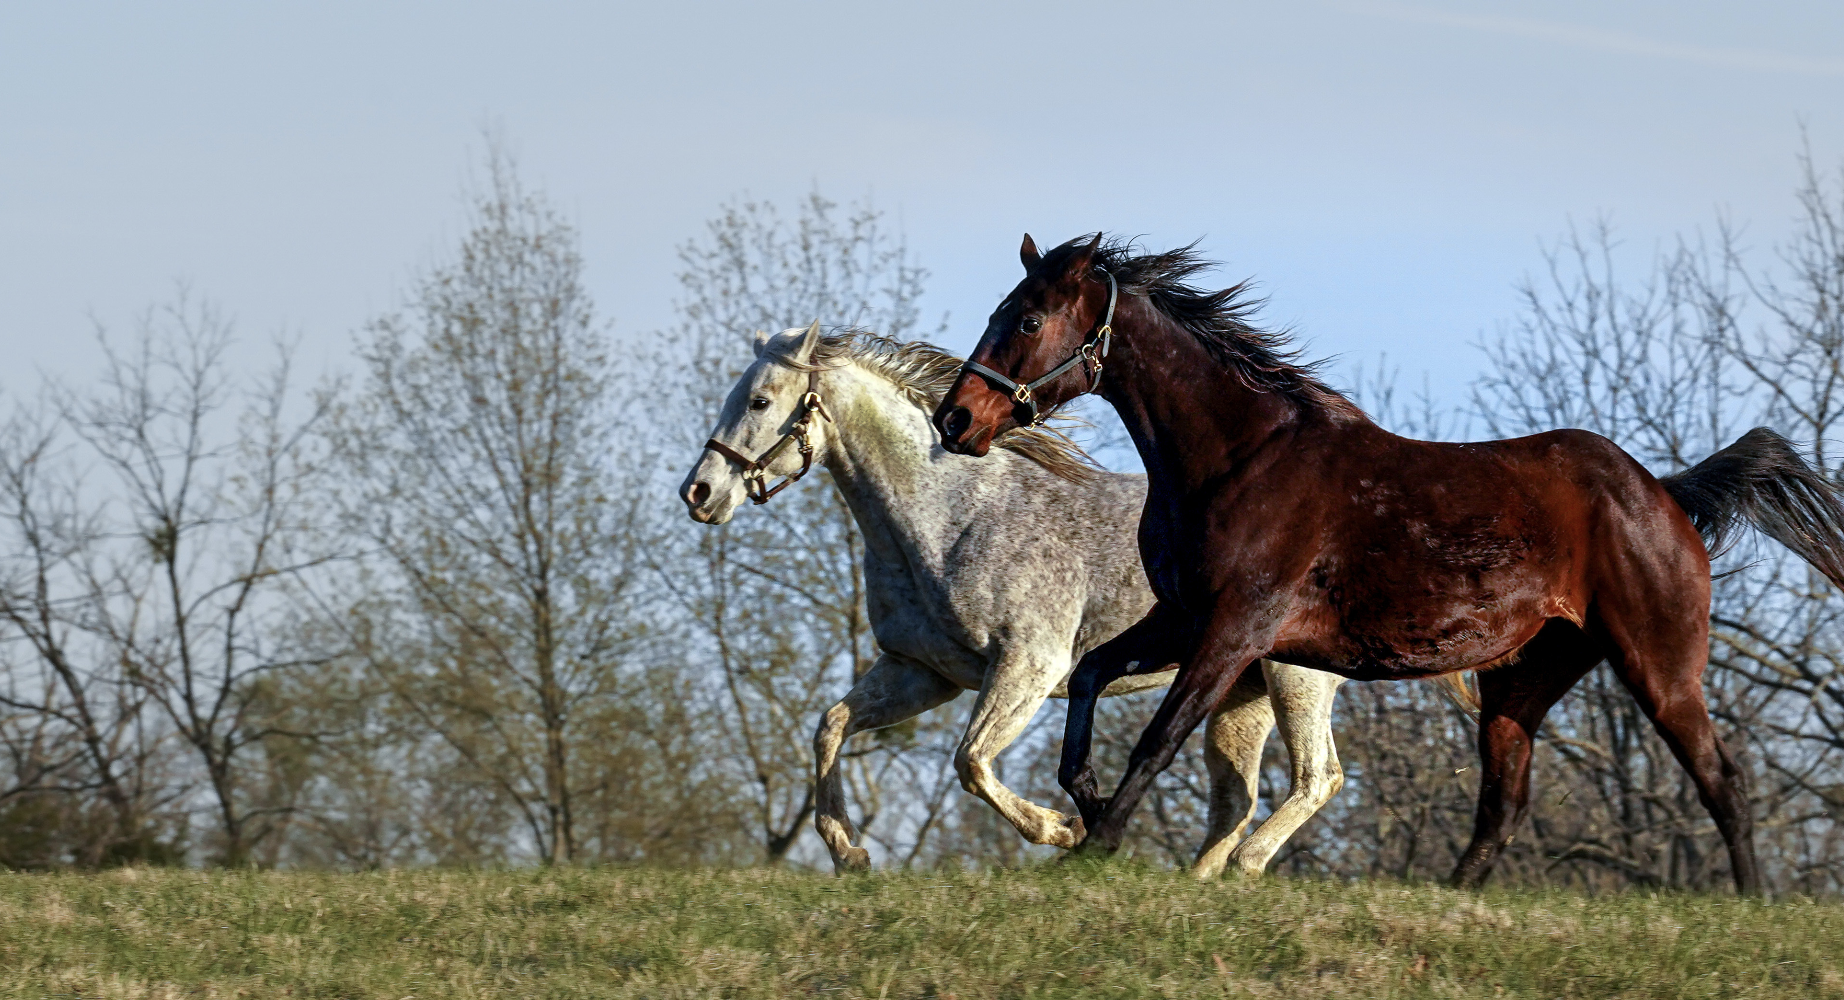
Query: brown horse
1280,520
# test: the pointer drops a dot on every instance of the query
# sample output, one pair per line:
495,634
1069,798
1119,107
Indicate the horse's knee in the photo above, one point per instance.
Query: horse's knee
1090,679
1316,793
1326,782
973,772
831,730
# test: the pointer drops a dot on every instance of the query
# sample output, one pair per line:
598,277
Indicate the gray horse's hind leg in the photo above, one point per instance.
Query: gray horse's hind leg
1302,701
892,690
1233,741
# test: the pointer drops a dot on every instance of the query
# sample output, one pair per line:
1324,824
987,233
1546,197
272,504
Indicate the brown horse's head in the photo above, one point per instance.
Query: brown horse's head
1044,322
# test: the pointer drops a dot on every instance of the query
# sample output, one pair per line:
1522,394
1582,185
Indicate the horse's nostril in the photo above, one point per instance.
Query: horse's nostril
698,493
956,423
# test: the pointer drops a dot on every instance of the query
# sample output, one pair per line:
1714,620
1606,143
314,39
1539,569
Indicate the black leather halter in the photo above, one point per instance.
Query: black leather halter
755,470
1089,356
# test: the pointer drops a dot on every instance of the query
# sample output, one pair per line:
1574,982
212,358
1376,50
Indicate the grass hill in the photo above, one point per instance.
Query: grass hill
1056,931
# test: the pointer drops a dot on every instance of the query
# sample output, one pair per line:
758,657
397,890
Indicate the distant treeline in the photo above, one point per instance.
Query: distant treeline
446,609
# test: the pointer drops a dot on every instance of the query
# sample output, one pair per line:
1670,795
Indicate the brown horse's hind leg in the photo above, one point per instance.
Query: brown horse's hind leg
1512,703
1670,692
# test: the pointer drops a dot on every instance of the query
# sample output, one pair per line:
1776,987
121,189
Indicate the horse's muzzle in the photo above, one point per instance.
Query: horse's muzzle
696,495
960,437
970,416
956,423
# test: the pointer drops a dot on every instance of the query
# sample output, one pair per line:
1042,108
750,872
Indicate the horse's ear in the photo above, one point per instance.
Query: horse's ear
1029,255
808,341
1081,260
761,341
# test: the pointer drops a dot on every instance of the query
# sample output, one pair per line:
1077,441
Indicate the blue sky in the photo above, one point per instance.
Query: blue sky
1386,170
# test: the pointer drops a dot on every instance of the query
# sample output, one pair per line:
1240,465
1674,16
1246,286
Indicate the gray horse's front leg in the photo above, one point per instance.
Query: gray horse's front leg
893,690
1149,645
1015,687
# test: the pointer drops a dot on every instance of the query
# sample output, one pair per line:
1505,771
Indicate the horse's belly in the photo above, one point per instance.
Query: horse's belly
1398,641
915,618
929,645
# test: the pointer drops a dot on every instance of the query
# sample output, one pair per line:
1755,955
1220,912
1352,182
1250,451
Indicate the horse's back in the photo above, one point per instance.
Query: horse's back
1582,477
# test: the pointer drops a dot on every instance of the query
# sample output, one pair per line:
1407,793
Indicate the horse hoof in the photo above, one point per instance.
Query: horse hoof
1071,835
1092,812
852,859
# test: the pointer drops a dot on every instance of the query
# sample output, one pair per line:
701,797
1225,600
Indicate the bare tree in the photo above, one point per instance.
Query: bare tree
74,730
485,473
210,499
1673,368
1777,633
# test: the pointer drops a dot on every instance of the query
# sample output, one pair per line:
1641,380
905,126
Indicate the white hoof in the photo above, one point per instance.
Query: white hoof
1066,832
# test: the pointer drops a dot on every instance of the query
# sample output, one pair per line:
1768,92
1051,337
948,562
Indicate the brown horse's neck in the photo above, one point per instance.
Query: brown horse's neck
1192,417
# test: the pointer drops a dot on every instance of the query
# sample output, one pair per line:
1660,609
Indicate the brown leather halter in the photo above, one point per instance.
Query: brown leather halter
755,470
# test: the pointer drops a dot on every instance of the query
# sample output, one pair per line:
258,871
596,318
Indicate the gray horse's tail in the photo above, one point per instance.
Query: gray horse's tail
1762,480
1461,691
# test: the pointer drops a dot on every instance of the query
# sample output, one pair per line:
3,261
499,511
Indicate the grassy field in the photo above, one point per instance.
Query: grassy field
1071,931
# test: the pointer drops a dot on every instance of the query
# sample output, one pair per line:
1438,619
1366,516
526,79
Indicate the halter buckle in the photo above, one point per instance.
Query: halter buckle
755,485
1022,394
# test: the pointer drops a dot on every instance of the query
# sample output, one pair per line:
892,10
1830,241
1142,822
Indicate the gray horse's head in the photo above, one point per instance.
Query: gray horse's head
762,409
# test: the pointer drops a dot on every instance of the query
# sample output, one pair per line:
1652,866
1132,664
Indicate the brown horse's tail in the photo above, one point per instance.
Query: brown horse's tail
1461,692
1762,480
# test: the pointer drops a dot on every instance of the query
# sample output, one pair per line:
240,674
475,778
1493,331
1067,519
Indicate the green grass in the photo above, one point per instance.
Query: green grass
1058,931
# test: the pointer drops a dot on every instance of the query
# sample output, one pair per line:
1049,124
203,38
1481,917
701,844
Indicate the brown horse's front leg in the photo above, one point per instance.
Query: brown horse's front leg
1149,645
1200,686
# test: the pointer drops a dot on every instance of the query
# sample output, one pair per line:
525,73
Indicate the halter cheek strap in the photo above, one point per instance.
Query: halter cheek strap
1089,355
755,470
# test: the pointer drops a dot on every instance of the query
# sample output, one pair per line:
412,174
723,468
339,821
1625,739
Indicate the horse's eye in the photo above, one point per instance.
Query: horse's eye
759,403
1031,324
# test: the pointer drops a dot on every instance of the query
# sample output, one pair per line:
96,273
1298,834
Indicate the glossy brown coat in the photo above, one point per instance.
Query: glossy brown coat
1280,520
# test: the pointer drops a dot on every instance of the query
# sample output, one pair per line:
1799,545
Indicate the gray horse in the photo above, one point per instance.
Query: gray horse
961,599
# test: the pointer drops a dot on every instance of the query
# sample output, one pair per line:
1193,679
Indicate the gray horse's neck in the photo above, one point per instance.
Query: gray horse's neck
882,455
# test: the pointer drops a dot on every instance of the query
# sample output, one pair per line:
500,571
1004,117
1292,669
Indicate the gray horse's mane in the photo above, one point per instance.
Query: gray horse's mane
924,373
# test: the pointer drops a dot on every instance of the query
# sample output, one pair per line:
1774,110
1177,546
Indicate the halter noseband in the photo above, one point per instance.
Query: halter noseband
1089,355
755,470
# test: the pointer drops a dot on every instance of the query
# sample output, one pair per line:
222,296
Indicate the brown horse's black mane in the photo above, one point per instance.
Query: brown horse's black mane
1222,321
